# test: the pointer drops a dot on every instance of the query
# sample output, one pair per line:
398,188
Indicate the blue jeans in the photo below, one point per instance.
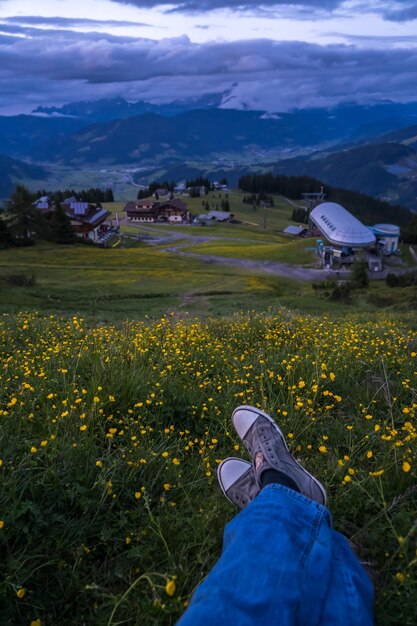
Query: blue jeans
283,564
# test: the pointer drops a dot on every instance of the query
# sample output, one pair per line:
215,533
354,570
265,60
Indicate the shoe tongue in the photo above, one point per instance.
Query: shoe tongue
259,461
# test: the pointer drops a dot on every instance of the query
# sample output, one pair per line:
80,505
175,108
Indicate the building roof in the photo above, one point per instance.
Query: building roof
340,227
92,216
100,216
294,230
390,230
142,207
176,204
218,215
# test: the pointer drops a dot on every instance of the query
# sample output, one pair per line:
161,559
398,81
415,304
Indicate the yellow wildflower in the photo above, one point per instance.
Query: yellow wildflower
170,587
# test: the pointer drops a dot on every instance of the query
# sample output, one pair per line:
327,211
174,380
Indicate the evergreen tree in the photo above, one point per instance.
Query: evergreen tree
25,220
366,208
6,238
360,276
60,227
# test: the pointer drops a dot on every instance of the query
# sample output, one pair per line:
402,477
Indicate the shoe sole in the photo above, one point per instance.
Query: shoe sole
246,466
245,407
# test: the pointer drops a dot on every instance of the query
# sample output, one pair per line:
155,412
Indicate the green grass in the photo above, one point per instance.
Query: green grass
134,283
293,252
277,217
230,231
274,219
142,281
111,435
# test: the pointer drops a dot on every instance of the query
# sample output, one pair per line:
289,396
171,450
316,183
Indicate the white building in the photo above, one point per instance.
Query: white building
340,227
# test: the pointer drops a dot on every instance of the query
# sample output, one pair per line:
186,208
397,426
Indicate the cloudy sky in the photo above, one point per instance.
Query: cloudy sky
274,55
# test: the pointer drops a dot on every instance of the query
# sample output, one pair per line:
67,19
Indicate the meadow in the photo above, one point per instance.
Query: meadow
110,512
141,282
120,370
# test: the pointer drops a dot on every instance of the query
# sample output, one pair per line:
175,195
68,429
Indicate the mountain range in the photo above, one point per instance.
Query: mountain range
368,148
14,170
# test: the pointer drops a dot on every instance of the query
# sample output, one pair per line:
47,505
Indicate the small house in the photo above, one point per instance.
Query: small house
296,231
169,211
88,221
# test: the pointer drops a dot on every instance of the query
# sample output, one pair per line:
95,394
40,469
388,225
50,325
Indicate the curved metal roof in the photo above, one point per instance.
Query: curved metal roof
340,227
386,229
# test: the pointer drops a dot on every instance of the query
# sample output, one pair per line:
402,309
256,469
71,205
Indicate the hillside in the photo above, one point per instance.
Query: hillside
199,134
196,134
13,171
222,142
118,132
385,170
25,136
406,136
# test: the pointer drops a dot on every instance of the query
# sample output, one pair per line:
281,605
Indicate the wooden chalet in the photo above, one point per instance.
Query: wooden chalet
169,211
87,220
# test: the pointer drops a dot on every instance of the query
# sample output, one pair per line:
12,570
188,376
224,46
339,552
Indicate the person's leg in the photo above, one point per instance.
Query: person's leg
281,563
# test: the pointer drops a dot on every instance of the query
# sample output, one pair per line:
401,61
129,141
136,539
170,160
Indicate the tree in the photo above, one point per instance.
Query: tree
409,232
25,220
6,238
60,227
359,275
300,215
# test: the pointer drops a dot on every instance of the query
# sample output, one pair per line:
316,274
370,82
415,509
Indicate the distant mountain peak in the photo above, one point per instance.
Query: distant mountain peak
109,109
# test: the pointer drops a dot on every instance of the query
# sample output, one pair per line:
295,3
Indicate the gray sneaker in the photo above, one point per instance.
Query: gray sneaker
237,480
267,446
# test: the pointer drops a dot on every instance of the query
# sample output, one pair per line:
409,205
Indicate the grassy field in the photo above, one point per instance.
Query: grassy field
121,368
110,512
274,218
134,283
145,282
230,231
270,220
293,252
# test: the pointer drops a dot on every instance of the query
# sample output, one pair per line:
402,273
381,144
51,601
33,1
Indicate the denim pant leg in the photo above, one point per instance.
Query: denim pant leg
282,564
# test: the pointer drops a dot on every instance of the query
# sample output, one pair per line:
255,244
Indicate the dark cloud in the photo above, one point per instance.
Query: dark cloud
67,22
56,66
203,6
392,10
375,40
404,14
59,35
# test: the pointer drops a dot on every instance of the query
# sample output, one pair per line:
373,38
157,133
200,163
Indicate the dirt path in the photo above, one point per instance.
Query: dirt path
269,267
